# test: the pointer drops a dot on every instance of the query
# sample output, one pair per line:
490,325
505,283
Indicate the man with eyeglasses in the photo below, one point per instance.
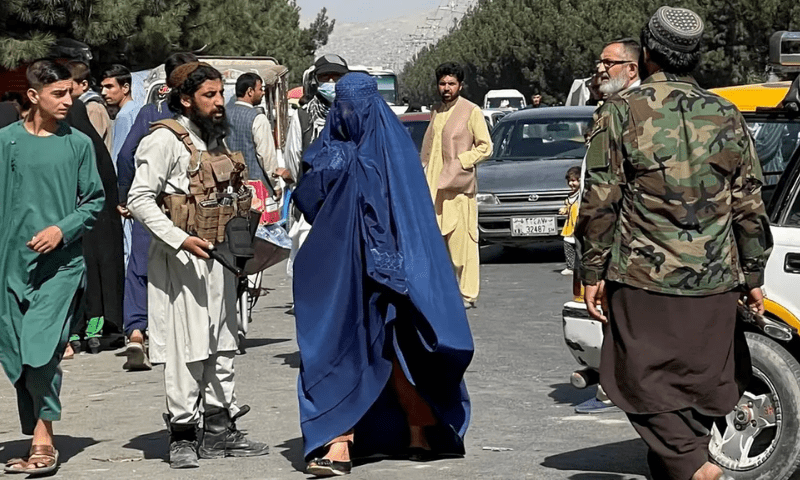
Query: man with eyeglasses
674,231
618,66
617,70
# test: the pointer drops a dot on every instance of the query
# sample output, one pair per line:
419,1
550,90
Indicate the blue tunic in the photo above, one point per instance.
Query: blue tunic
373,281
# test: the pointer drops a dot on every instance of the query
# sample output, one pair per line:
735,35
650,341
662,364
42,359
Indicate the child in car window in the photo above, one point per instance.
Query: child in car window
570,209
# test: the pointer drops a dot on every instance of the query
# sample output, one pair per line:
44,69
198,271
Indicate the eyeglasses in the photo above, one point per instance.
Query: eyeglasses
608,64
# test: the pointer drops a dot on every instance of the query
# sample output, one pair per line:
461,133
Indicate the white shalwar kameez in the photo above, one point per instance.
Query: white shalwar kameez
299,228
191,301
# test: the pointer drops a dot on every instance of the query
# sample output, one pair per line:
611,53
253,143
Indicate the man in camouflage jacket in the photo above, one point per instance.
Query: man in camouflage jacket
673,230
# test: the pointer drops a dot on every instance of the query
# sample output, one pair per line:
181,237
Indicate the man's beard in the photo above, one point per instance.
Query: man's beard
453,98
211,127
613,85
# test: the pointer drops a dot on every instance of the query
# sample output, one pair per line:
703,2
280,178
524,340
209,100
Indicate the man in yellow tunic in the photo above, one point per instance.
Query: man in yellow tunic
456,140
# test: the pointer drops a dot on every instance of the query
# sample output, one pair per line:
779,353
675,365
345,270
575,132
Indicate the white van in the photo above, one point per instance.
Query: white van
505,99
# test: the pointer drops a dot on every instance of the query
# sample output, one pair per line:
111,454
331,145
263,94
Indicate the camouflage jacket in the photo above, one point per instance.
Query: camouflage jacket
672,200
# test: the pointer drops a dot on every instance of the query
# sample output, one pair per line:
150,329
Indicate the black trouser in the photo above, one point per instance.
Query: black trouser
105,275
677,441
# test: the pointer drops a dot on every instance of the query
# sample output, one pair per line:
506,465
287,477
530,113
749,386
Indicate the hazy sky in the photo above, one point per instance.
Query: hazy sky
356,11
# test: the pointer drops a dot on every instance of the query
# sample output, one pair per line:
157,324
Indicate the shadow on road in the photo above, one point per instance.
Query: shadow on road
260,342
153,445
597,476
294,453
546,253
628,458
291,359
566,393
283,306
66,445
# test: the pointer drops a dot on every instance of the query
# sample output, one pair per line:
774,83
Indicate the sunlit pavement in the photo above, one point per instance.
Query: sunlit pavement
523,423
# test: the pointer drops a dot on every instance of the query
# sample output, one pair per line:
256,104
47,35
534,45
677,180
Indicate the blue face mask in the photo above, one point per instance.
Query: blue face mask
328,91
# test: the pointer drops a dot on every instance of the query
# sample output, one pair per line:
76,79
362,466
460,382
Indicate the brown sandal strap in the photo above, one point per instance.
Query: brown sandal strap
43,451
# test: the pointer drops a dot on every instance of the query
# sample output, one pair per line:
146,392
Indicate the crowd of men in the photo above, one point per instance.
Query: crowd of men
671,228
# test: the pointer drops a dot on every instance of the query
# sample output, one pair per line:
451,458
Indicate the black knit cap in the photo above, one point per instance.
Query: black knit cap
677,28
330,63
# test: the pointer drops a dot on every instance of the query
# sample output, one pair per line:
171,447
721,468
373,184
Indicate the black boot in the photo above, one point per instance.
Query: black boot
222,439
182,444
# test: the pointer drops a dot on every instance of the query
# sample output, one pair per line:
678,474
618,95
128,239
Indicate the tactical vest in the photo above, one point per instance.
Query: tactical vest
218,189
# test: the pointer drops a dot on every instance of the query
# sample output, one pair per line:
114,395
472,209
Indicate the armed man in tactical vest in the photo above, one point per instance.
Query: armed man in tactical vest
456,140
187,186
251,133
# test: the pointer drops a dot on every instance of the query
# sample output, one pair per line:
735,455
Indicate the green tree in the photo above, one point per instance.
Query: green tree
247,27
141,33
320,29
132,31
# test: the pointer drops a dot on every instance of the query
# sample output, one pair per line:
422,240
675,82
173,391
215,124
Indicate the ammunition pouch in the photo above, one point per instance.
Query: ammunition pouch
218,189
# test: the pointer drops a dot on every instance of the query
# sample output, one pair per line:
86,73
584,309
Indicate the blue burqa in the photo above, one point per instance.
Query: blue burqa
372,281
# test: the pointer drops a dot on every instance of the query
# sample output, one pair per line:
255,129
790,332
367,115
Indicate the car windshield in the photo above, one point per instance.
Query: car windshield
537,138
505,102
417,130
775,140
387,87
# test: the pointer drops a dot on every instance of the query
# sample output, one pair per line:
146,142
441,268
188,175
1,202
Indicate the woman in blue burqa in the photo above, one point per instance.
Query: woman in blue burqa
383,336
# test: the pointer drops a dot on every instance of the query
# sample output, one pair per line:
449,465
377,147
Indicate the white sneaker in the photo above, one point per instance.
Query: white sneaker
566,271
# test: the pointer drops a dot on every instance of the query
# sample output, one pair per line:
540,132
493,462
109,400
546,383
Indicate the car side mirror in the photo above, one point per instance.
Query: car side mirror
791,102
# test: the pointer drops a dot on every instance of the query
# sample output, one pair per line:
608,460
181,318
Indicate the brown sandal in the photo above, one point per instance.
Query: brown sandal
43,459
16,465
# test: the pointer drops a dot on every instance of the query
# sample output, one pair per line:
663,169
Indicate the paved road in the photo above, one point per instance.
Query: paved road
518,381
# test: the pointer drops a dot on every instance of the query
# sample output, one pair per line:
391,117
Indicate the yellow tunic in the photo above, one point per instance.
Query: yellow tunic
571,207
457,213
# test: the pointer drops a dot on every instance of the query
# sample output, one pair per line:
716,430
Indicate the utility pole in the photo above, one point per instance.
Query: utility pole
446,18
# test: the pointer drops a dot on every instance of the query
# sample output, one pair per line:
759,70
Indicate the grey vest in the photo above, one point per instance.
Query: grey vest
240,120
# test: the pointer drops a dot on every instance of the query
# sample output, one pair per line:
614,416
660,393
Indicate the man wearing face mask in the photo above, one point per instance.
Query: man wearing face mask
304,128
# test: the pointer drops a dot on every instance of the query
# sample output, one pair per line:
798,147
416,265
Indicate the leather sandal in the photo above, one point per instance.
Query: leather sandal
44,455
16,465
325,467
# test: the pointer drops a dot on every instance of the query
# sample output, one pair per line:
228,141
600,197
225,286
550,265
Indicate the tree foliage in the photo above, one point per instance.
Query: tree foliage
541,46
141,33
320,29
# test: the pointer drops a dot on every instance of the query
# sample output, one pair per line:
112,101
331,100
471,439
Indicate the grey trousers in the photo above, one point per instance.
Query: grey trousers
209,381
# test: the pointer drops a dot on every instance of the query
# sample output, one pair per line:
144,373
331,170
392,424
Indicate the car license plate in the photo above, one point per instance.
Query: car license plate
532,226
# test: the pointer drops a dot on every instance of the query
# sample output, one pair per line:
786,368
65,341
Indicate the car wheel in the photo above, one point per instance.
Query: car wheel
760,438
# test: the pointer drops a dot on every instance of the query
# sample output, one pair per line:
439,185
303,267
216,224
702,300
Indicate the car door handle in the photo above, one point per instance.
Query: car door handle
791,264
